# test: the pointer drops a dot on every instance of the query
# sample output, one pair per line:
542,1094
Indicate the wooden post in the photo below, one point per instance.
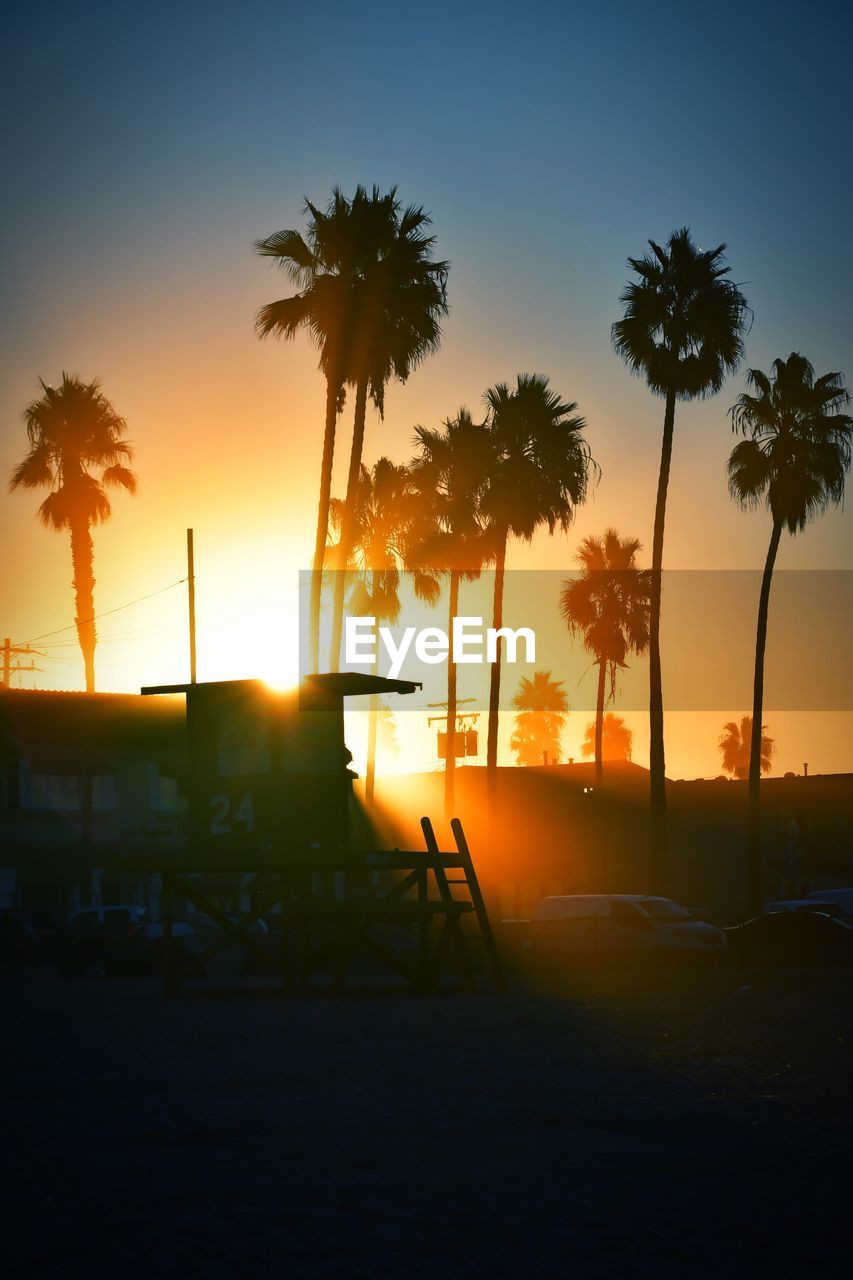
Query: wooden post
452,928
423,929
191,600
479,905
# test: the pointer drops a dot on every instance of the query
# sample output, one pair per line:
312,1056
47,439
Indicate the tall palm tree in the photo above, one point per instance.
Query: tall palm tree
326,263
542,706
682,330
541,470
793,459
383,509
736,747
608,605
74,432
450,472
400,300
616,739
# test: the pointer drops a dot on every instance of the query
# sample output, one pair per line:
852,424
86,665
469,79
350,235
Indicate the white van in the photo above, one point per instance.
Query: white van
620,921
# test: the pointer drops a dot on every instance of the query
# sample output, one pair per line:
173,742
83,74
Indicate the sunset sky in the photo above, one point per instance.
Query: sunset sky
146,147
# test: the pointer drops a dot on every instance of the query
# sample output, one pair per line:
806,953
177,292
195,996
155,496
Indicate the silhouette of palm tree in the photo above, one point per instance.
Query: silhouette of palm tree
73,429
400,299
736,745
617,740
794,459
682,330
383,512
450,472
541,470
542,706
608,605
327,263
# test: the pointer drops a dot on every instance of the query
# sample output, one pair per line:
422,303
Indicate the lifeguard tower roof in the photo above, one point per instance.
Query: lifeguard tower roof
342,684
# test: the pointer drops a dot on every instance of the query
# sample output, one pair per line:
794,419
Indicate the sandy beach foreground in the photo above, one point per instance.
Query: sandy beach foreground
655,1125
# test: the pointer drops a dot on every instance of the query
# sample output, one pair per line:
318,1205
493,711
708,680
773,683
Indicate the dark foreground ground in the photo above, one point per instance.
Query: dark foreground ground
661,1125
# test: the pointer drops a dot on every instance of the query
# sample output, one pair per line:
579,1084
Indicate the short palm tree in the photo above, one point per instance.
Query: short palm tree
540,472
542,706
617,740
450,472
608,606
326,263
793,460
736,747
400,301
74,434
682,330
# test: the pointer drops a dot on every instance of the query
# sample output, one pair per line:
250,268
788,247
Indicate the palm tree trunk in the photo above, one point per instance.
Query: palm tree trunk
495,675
372,725
657,761
450,758
348,523
599,719
82,558
322,523
756,896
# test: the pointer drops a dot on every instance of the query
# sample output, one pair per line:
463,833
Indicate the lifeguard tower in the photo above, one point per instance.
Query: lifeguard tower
269,788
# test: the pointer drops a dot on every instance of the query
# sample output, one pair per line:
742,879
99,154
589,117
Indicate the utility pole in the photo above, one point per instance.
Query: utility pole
462,717
191,600
11,651
463,722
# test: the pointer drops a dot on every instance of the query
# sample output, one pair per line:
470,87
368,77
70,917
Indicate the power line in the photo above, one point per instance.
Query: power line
119,639
106,614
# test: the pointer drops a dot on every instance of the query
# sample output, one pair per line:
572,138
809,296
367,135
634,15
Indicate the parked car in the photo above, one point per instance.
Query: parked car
839,897
228,955
792,938
117,941
19,938
621,922
805,904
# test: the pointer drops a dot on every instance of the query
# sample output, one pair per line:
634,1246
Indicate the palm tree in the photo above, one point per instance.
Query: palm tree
682,330
450,473
326,263
73,430
542,707
400,300
383,508
793,460
616,741
541,470
736,745
608,605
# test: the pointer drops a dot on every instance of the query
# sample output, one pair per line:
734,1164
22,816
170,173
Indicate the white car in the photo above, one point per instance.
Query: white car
129,918
117,940
621,921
